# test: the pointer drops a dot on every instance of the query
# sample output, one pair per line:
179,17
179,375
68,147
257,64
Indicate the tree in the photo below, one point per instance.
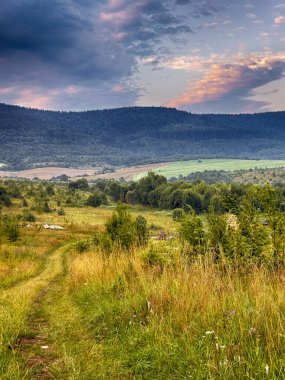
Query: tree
80,184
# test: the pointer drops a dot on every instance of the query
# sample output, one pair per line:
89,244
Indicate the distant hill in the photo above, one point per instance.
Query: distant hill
134,135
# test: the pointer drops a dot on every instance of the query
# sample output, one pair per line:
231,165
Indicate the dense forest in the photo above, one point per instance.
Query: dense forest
134,135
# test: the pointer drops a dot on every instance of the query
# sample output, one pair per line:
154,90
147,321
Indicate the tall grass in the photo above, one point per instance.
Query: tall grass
181,321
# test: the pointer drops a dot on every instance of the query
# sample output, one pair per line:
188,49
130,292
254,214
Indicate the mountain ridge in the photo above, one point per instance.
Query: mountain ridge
134,135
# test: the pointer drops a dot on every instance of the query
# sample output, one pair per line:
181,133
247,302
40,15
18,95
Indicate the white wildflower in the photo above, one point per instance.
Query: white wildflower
252,330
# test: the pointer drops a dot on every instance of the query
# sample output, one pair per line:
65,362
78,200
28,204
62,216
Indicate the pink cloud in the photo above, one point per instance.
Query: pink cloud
279,20
237,76
119,89
7,90
36,97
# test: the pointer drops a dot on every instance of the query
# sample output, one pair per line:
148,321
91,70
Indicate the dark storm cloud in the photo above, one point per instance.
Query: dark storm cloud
200,9
57,43
144,20
60,36
182,2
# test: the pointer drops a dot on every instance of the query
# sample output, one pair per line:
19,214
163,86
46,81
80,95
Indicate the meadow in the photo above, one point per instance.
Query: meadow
69,309
183,168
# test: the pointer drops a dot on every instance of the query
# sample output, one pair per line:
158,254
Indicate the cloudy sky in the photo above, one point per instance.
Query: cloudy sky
195,55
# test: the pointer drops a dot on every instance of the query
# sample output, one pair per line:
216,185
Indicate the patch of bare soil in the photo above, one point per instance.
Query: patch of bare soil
46,173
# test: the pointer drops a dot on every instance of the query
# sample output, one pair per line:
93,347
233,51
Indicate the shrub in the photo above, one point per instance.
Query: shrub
178,214
94,200
9,228
82,246
153,258
123,230
192,232
28,217
142,230
4,198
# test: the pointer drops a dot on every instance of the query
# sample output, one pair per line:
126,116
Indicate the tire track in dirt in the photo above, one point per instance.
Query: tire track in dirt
34,344
22,321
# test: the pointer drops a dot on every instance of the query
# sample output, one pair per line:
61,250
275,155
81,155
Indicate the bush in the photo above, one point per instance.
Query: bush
4,198
192,232
153,258
124,231
96,200
178,214
9,228
28,217
46,207
142,230
82,246
61,212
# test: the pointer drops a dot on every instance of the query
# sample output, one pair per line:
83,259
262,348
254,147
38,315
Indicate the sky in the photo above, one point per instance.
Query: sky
201,56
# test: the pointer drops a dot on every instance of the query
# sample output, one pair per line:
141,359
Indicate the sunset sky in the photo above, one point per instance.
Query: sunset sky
200,56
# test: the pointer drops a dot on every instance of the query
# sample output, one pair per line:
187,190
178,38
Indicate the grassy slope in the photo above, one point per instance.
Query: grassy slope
115,318
185,167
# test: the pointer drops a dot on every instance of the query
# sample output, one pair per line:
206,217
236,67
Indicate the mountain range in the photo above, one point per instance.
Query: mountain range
134,135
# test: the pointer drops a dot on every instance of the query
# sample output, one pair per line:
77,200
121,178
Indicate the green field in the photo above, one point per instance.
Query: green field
184,168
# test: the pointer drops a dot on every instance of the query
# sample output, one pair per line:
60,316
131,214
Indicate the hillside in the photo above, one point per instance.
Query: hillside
134,135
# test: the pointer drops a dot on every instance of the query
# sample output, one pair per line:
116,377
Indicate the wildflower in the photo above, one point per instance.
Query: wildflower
252,330
223,347
232,312
217,346
267,369
209,332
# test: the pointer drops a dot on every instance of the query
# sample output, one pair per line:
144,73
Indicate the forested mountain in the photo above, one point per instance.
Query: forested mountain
134,135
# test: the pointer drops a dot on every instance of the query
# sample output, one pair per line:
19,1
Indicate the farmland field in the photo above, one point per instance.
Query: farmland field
175,169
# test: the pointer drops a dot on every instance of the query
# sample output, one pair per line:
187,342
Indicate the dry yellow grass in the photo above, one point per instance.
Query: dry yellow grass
227,322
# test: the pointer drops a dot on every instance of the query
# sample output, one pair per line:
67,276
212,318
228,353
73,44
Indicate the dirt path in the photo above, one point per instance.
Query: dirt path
20,314
34,344
43,335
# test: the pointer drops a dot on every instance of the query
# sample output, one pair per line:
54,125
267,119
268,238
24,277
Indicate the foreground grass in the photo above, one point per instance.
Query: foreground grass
117,317
181,322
